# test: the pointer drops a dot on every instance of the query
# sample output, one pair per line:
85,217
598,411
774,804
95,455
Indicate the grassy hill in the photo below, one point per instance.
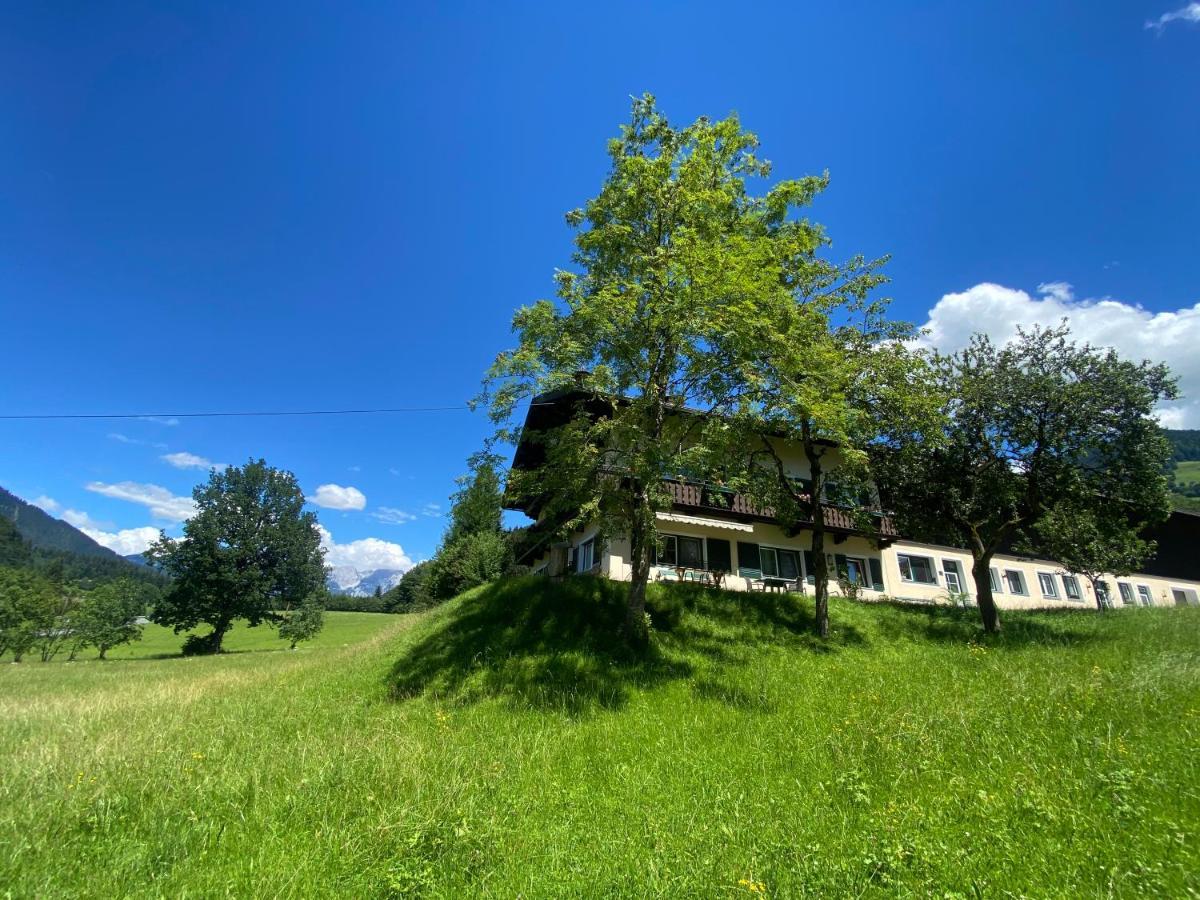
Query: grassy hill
501,746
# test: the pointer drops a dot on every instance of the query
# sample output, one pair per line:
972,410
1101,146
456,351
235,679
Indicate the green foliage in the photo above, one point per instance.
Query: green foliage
412,593
474,551
304,623
29,610
250,549
105,616
349,603
471,560
1042,424
1093,541
682,275
1185,444
836,379
14,549
739,749
477,504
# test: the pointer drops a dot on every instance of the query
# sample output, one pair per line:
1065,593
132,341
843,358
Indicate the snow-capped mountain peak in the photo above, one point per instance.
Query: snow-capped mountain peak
353,583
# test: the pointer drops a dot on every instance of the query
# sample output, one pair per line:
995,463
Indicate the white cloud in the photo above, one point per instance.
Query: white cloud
126,439
184,460
334,496
365,554
161,502
80,519
160,420
389,515
49,504
432,510
126,541
1189,13
1137,334
1062,291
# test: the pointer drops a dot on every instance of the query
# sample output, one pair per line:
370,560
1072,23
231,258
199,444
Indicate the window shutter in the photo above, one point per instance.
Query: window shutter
572,560
876,573
808,568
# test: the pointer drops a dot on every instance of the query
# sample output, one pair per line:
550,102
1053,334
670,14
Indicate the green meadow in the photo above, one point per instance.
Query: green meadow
503,745
1187,471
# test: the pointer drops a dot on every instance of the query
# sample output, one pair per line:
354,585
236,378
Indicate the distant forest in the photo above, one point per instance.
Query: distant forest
1186,444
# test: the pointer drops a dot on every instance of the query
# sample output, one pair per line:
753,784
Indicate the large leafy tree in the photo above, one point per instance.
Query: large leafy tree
474,550
680,272
838,380
250,550
1030,431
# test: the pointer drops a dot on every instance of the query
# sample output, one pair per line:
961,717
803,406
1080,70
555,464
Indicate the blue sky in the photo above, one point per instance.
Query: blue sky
304,206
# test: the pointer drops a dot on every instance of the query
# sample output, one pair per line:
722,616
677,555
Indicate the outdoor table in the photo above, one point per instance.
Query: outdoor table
777,584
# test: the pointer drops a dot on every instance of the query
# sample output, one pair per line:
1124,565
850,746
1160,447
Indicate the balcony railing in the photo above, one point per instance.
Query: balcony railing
715,499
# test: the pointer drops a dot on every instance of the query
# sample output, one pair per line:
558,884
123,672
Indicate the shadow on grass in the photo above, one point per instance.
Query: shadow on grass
557,644
960,625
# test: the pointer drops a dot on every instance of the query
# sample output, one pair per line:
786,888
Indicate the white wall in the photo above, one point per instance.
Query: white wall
613,562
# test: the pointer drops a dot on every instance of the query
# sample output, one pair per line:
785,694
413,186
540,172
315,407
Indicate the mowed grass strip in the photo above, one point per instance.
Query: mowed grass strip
504,746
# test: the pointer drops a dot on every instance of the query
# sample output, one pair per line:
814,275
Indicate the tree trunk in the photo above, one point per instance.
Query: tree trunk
1096,593
103,651
641,545
981,573
821,579
218,635
817,519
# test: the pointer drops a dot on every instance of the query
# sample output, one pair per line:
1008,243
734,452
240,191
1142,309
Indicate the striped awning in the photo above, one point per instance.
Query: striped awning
703,522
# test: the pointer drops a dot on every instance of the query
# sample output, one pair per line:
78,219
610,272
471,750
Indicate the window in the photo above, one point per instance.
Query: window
1046,583
1146,596
779,563
668,552
677,550
855,571
952,572
997,584
1184,597
1015,581
1126,593
1103,593
586,554
918,569
1071,586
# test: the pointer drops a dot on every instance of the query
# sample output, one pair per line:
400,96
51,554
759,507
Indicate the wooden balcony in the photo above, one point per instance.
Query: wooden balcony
713,500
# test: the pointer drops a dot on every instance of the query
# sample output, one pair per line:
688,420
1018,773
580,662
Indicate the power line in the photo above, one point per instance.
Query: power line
214,415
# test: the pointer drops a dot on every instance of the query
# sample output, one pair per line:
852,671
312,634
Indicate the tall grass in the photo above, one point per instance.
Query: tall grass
505,745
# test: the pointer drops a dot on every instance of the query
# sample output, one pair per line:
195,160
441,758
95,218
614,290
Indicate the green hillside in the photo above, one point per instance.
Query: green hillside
31,537
45,532
501,746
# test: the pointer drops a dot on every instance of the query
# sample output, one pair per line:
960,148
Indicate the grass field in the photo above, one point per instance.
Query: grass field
1188,471
500,746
